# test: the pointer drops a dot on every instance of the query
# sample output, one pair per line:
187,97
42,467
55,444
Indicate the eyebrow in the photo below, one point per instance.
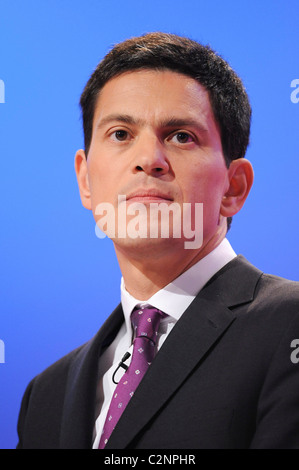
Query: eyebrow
164,123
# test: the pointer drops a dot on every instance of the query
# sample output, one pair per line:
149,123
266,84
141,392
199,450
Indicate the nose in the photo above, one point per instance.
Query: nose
150,157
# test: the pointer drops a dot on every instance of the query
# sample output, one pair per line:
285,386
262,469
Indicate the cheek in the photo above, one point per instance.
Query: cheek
206,185
98,183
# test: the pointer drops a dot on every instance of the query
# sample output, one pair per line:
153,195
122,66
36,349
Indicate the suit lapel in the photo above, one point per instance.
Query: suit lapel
204,322
79,406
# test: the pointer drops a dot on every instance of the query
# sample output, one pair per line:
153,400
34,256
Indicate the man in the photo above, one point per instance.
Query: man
166,121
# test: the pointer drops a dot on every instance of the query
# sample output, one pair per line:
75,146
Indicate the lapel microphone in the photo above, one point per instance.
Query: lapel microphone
121,364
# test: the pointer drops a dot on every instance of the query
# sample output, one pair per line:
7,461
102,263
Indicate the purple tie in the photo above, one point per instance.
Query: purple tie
145,321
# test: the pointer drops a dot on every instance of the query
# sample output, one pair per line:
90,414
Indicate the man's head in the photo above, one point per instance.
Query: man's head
140,96
162,51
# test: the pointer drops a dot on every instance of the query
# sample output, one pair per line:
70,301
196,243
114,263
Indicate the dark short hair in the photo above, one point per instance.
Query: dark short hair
163,51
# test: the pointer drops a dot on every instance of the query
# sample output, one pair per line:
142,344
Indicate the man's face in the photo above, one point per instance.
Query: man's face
155,139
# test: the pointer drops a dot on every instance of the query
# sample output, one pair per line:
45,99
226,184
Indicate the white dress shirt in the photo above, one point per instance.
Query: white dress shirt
173,299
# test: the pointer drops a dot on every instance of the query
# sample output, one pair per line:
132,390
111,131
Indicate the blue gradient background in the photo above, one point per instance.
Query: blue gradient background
58,282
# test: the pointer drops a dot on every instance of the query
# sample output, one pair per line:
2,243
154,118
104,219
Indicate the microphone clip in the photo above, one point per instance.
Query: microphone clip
121,364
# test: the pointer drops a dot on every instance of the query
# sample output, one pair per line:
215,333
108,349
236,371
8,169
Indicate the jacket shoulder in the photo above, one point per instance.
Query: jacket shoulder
278,291
42,402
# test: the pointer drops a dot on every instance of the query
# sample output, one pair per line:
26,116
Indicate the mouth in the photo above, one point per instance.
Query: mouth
148,195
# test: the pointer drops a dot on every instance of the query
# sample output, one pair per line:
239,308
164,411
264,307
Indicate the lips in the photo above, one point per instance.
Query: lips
148,195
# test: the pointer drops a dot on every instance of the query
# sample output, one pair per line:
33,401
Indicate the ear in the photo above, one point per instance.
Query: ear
82,178
240,180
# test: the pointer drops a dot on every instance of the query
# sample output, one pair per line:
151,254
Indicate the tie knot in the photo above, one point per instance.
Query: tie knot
146,321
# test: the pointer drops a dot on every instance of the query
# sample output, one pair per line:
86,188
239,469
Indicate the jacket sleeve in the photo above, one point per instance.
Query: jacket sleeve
23,413
277,423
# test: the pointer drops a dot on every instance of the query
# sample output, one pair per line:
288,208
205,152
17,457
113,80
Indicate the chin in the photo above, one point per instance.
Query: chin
153,247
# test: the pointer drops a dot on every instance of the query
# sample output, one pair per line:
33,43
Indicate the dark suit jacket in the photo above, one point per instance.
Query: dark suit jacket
223,379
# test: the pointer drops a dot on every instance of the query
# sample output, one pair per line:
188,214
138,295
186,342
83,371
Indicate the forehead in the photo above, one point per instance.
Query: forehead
152,94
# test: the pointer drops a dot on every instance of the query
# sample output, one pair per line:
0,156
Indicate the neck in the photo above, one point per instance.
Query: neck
147,271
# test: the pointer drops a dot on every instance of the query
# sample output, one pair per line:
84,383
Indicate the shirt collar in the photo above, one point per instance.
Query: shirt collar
174,298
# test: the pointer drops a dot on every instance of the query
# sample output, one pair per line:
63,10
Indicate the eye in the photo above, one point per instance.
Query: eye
120,135
183,137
